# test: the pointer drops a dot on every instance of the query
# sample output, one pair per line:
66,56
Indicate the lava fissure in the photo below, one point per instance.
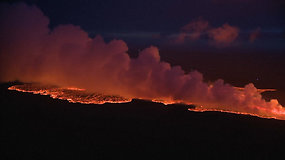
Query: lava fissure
77,95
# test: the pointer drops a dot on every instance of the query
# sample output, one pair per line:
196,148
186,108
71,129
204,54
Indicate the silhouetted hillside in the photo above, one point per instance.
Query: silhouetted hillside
39,127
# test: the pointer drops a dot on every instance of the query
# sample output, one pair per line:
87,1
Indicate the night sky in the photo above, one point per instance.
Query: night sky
155,22
163,15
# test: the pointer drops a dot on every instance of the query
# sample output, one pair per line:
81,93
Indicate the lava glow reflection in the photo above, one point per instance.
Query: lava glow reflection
77,95
71,94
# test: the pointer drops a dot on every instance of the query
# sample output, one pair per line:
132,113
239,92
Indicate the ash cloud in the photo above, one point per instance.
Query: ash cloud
66,56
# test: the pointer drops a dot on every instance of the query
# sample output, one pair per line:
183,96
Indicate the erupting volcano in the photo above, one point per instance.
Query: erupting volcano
142,79
76,95
67,56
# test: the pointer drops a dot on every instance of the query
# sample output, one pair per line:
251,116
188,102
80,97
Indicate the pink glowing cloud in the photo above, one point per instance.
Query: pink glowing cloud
195,28
192,31
221,36
224,35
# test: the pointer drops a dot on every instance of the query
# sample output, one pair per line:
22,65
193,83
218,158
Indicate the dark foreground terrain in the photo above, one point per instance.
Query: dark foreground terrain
39,127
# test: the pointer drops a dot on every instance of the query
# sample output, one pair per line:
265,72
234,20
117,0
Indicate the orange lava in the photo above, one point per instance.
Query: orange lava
234,112
259,90
269,113
169,101
77,95
71,94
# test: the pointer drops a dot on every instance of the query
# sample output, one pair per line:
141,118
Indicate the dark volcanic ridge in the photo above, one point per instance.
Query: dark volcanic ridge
39,127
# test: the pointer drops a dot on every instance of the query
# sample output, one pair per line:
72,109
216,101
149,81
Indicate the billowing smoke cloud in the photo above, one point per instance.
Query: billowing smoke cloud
66,56
224,35
254,34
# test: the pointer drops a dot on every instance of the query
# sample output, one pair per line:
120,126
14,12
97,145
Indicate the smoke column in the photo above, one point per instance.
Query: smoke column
66,56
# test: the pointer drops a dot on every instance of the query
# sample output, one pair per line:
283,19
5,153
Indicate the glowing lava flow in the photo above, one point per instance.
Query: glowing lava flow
76,95
270,113
201,109
258,90
71,94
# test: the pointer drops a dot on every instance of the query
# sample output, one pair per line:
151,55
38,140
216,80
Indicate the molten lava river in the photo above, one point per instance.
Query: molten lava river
71,94
77,95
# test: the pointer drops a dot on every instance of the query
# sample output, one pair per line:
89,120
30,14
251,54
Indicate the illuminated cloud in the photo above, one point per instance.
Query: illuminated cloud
254,35
195,28
192,31
180,38
66,56
224,35
221,36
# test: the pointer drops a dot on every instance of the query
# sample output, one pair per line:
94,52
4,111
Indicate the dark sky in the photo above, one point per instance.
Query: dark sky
163,15
140,20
